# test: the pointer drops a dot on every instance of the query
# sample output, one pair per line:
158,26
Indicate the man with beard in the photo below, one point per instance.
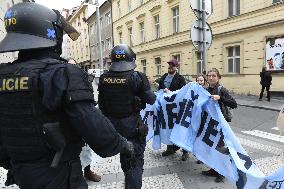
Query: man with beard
172,81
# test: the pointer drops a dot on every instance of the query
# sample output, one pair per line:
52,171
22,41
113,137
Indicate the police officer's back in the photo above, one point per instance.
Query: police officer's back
123,92
47,105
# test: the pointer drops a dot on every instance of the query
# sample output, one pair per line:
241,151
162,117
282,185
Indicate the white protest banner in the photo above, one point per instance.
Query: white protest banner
191,120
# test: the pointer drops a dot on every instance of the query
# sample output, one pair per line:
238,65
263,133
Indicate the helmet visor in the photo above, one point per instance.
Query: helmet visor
66,27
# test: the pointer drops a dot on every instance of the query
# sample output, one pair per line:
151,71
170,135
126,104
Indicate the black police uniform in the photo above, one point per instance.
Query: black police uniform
47,106
40,91
122,94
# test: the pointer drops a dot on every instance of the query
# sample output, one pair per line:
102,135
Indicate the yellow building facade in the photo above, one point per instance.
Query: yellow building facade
159,30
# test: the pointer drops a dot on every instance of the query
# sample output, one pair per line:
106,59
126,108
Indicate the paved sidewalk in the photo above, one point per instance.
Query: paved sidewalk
252,101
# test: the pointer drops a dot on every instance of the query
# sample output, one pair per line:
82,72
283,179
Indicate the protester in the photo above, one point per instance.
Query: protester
201,80
265,83
172,81
123,92
221,95
46,116
86,153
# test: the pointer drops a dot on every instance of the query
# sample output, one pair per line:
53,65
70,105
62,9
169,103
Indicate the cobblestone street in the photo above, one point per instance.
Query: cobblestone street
171,172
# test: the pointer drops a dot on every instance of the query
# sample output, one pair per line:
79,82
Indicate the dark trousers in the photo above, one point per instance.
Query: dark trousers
133,166
40,175
267,91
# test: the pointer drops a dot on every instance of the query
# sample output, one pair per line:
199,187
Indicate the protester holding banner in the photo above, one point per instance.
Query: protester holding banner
265,82
172,81
225,100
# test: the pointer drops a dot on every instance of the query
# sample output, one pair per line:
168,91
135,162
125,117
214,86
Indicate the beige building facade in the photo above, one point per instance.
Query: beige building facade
79,49
159,30
106,35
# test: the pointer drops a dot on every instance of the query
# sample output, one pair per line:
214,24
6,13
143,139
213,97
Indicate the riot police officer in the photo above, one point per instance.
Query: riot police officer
123,92
47,107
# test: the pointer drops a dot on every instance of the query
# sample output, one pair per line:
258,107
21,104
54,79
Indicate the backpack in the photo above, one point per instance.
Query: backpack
225,110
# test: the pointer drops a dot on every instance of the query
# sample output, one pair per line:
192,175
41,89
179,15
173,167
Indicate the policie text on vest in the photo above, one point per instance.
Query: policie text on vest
13,84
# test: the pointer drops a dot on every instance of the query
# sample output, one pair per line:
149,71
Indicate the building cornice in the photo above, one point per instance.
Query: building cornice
155,8
140,16
119,27
129,23
78,12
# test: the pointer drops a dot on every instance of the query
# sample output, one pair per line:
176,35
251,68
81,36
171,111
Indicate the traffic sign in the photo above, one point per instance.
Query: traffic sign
196,6
196,34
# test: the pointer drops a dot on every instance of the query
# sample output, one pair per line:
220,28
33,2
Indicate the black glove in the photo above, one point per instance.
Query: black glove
10,179
128,148
142,129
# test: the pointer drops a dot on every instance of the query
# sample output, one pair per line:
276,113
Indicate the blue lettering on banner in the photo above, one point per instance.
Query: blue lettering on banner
190,119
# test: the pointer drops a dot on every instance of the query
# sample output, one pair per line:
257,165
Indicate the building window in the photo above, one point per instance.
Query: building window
108,18
142,32
234,7
85,33
175,19
233,56
108,43
200,63
130,37
103,45
129,5
120,37
177,57
144,66
118,9
92,29
157,26
277,1
101,22
158,65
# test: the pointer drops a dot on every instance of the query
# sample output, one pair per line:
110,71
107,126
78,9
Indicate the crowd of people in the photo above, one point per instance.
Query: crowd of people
52,114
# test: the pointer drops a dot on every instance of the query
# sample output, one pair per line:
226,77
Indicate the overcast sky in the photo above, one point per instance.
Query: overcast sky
60,4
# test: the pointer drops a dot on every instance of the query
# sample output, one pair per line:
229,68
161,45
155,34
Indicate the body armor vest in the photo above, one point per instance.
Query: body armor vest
22,114
118,99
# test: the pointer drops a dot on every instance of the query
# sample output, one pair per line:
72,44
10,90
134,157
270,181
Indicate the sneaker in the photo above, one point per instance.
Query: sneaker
184,156
91,176
210,173
219,178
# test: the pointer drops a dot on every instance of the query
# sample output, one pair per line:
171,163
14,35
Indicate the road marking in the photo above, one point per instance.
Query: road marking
265,135
275,128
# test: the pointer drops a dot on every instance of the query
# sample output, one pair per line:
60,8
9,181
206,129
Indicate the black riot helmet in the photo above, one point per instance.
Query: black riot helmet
33,26
122,58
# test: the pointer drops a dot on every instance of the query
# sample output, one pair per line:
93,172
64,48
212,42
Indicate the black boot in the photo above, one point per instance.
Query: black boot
170,150
185,155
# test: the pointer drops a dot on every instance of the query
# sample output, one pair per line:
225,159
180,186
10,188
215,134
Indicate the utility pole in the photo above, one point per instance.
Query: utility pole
99,36
201,33
204,50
